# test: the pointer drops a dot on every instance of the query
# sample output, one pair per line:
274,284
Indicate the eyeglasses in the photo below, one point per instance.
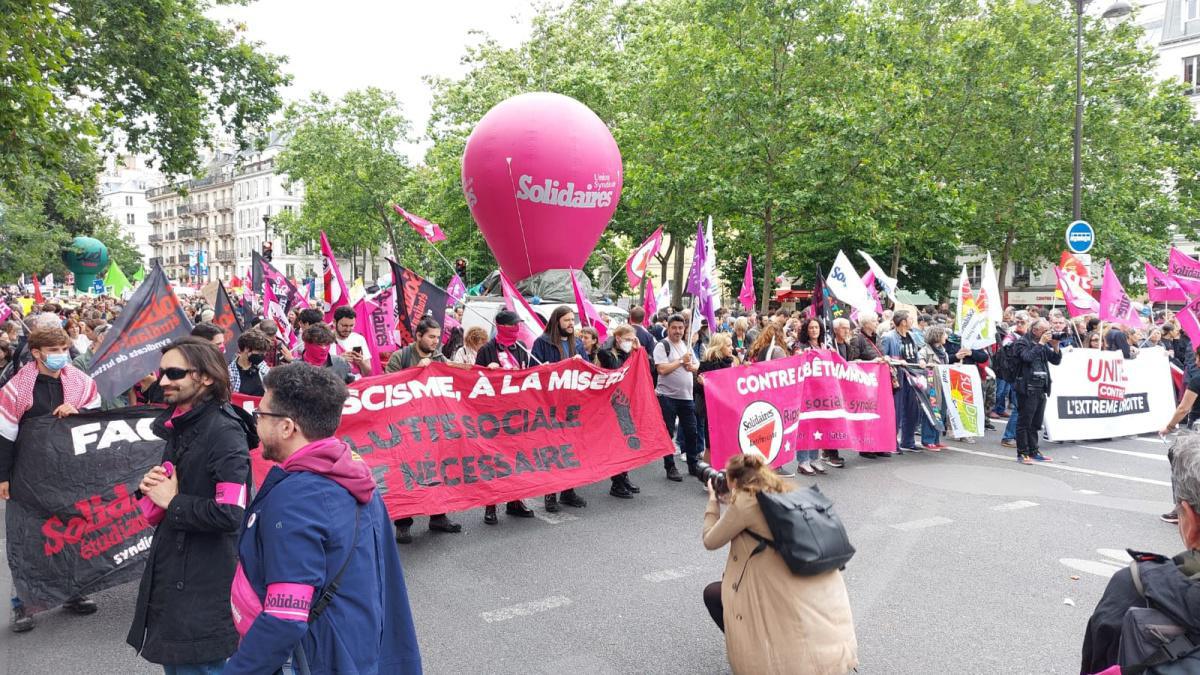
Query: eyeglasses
263,413
174,374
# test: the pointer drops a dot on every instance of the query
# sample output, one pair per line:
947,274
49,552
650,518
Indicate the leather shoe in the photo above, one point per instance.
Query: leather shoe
518,509
571,499
630,486
22,620
551,503
673,474
489,515
82,605
693,470
403,534
619,491
443,524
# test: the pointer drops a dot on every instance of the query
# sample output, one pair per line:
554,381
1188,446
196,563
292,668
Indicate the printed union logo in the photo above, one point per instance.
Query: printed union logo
554,193
761,430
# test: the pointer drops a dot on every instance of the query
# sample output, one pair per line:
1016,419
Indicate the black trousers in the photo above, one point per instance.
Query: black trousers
1031,408
712,600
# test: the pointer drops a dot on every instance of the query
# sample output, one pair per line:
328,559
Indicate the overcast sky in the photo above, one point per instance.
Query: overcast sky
350,44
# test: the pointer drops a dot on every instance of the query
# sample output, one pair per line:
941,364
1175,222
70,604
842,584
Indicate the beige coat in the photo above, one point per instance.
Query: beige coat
777,622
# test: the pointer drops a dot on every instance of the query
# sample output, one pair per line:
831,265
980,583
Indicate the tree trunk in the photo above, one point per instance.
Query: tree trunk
677,291
1002,275
896,258
764,302
664,259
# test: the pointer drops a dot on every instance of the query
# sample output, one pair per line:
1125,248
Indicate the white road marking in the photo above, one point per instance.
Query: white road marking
1091,566
553,518
1156,441
1014,506
673,573
1143,455
1063,467
525,609
1117,554
922,523
1087,492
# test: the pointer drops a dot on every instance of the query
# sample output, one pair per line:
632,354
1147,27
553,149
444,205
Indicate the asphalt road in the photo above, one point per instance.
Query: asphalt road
965,563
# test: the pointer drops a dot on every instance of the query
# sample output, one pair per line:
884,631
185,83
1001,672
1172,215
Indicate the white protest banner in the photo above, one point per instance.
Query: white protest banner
962,400
1098,394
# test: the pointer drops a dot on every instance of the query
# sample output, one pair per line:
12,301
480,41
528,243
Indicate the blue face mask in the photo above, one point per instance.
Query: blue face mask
57,362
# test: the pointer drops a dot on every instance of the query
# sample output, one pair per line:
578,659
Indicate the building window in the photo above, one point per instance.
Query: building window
291,270
975,274
1020,274
1191,9
267,187
129,219
1190,76
128,200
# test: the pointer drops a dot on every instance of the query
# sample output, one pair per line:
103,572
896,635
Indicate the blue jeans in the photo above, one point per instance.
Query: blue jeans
929,435
803,456
1010,429
685,412
907,412
210,668
1004,396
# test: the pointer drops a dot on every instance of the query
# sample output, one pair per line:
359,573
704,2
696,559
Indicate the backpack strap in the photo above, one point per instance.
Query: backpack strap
331,588
763,543
1137,579
1174,650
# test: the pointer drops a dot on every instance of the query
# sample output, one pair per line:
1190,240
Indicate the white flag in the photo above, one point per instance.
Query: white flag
847,286
49,281
990,290
890,285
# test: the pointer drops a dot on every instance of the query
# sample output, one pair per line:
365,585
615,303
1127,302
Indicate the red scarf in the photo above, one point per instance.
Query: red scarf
16,398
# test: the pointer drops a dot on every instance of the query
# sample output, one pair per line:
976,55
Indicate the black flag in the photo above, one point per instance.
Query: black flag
151,320
415,298
225,316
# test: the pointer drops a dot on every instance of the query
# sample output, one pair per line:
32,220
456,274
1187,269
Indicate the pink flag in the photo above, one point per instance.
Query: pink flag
650,304
363,309
1181,266
869,282
275,312
1115,305
587,312
1078,301
432,232
639,260
531,324
5,312
334,294
747,296
1188,321
457,290
375,320
1164,287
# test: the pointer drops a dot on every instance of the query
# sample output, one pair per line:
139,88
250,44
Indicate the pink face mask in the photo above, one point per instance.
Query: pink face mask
507,335
315,355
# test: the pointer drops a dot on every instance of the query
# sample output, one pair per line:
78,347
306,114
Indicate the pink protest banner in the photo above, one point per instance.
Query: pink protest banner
814,401
1182,266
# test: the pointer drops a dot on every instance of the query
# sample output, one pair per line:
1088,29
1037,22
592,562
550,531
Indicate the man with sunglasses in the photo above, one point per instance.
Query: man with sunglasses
196,499
47,385
319,581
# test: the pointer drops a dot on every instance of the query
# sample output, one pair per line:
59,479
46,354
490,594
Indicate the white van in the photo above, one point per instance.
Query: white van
481,311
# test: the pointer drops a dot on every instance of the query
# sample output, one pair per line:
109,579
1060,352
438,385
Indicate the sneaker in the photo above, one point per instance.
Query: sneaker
871,455
673,474
932,447
403,534
1025,459
551,503
806,469
1037,456
1171,517
489,515
1005,415
994,415
784,472
81,605
818,466
966,439
835,462
913,449
22,621
1008,442
989,426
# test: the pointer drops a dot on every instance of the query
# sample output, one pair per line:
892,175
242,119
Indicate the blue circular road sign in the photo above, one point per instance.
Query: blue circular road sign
1080,237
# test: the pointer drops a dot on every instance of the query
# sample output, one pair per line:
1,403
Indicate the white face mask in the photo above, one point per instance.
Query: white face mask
626,345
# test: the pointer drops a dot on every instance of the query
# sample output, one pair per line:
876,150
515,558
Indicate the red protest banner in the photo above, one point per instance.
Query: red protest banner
442,439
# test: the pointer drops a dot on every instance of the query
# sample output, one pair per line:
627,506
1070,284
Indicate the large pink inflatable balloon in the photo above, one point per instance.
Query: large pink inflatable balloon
542,175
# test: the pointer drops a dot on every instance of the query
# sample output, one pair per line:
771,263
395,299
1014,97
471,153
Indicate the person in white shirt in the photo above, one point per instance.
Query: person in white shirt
350,345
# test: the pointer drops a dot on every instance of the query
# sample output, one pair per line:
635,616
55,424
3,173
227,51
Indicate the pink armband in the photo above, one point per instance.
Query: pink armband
289,602
244,602
231,493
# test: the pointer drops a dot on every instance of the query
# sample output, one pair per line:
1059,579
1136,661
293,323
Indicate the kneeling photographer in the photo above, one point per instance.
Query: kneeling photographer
775,620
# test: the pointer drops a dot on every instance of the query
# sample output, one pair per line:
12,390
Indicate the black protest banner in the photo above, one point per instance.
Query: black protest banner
256,272
281,286
72,523
151,320
225,316
918,379
416,297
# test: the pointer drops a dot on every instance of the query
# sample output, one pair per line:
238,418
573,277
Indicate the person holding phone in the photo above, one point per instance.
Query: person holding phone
350,345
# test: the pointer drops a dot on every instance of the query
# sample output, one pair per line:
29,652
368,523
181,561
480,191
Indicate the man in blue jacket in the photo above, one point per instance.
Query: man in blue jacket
319,581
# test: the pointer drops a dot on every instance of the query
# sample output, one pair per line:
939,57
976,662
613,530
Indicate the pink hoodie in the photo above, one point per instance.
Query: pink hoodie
330,457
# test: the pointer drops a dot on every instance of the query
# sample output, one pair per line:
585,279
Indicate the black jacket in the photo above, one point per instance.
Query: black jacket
1167,586
1035,358
182,614
490,353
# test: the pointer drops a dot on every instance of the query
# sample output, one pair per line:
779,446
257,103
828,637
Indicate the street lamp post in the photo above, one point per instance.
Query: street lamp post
1116,10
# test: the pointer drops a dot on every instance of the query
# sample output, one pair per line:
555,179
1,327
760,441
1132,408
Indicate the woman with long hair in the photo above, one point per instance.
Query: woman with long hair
774,621
769,345
809,335
718,355
474,339
741,337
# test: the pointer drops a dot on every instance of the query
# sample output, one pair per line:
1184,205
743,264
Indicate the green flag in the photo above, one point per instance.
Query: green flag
116,281
139,275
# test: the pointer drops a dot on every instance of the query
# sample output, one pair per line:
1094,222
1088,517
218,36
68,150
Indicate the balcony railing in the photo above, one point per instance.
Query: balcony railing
226,256
156,261
155,238
224,229
185,210
170,236
200,207
171,260
223,204
154,216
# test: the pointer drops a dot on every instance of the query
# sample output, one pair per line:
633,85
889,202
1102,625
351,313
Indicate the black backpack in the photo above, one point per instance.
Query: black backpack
1154,642
804,530
1006,363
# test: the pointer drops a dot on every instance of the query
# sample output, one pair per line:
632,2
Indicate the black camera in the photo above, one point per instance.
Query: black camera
1060,336
705,472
